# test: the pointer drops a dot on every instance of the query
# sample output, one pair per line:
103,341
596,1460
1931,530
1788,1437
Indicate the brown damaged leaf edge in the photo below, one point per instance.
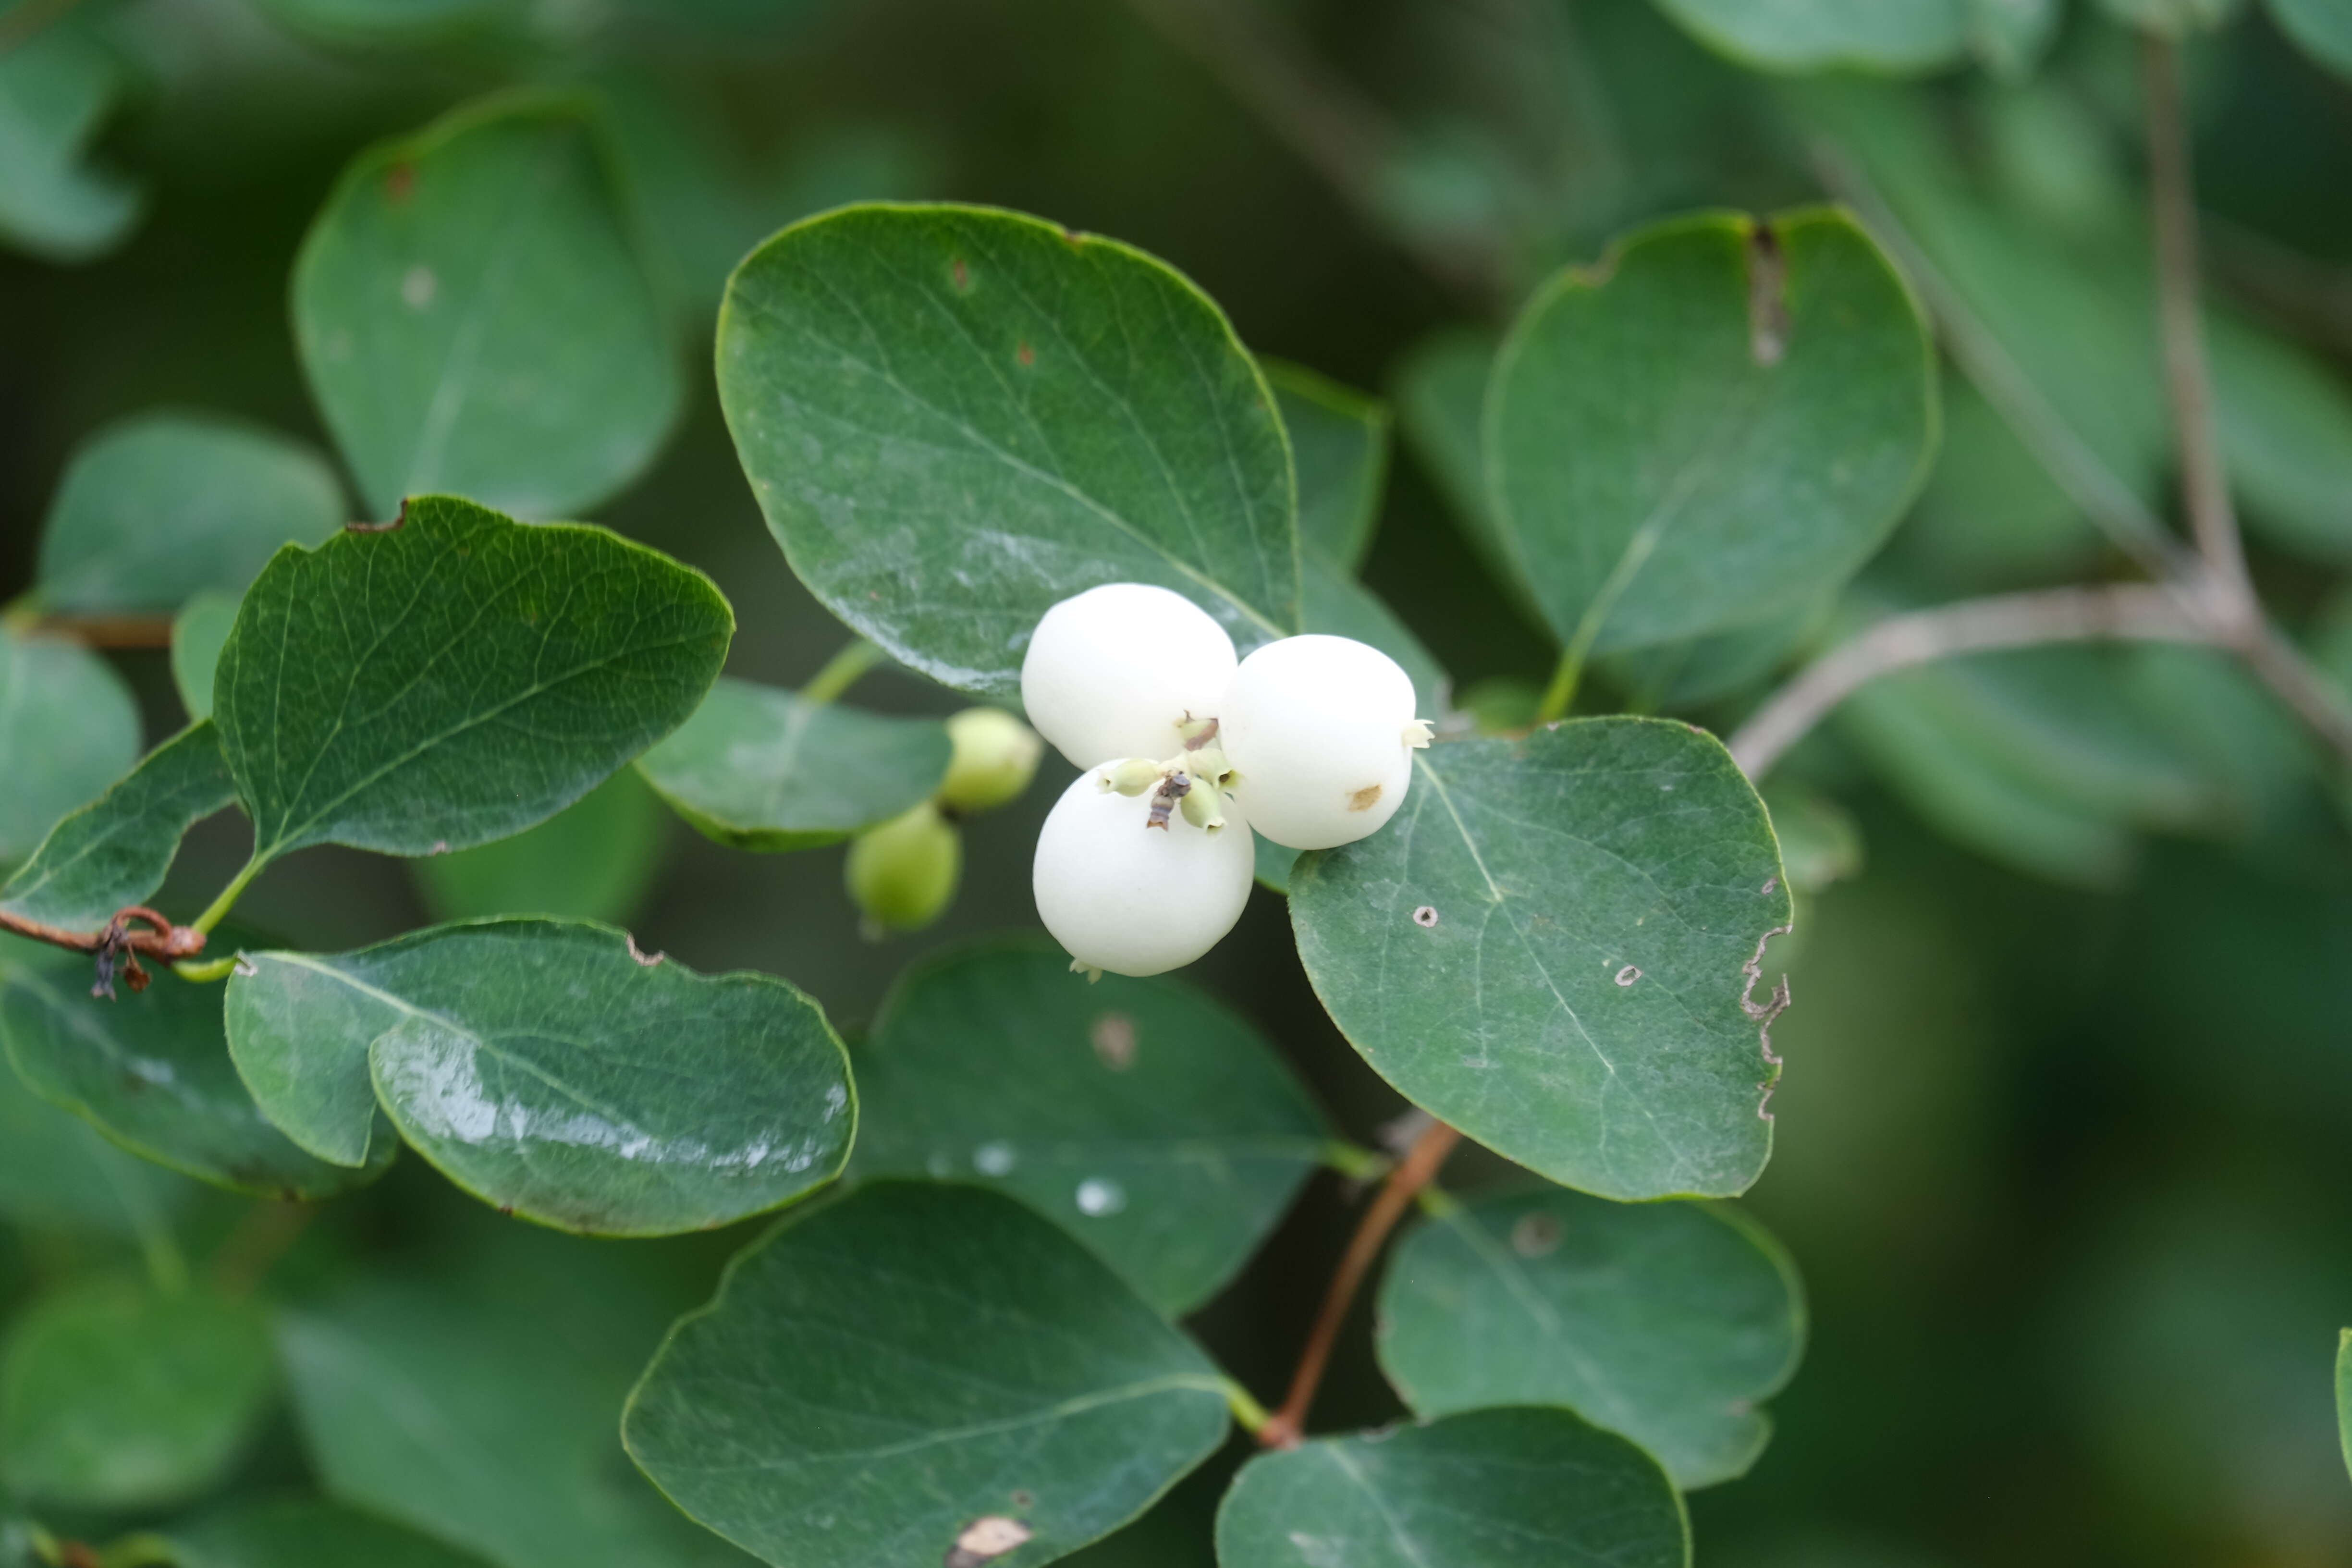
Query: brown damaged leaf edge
1762,1014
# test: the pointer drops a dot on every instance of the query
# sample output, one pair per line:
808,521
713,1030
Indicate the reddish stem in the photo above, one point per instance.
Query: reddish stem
1287,1425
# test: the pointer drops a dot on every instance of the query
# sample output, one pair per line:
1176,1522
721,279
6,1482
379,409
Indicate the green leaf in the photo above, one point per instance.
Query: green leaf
113,1395
1273,865
1705,669
58,1174
1892,35
198,634
68,728
2010,37
1338,604
1441,393
57,87
482,1413
955,417
1715,428
1339,443
551,1069
2344,1392
2045,758
396,24
151,1069
114,852
1990,514
2072,322
1493,1489
157,508
1139,1116
439,301
1552,947
2322,27
758,768
1821,843
887,1368
593,861
306,1533
1975,800
1668,1323
2171,18
455,679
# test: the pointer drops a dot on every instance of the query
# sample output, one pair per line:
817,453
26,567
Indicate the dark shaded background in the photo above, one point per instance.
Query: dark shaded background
2068,1174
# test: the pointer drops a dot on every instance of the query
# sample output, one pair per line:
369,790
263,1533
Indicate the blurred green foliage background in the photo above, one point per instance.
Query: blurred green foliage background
2065,1166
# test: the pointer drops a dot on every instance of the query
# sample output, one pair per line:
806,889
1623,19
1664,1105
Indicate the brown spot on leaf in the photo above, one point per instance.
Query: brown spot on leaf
986,1538
1026,355
1535,1235
1768,296
961,275
1365,798
1113,1035
1425,917
400,182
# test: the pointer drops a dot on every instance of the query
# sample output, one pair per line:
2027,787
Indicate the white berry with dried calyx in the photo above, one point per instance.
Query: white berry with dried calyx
1113,672
1320,731
1130,898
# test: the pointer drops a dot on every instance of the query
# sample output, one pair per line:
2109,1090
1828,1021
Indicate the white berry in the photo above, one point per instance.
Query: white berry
1111,672
1133,899
1322,732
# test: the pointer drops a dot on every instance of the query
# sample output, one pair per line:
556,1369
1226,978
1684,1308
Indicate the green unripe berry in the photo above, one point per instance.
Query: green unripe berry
903,874
995,757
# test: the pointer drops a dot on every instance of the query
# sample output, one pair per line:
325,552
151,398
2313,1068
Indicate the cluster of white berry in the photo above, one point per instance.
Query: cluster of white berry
1139,867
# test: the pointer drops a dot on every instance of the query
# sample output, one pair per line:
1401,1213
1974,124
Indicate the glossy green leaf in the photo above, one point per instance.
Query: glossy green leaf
56,88
151,1069
438,305
1668,1323
307,1533
553,1070
198,634
955,417
482,1413
757,768
1531,1487
162,506
593,861
1273,864
1715,428
1340,445
2323,28
1552,946
113,853
1903,36
2171,18
455,679
113,1395
68,728
890,1367
1143,1118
